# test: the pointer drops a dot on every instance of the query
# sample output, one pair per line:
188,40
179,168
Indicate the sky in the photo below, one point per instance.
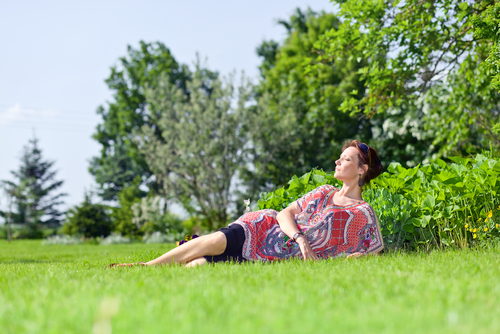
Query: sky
55,56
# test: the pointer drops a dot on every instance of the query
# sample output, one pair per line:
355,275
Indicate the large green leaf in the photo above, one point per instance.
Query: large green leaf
429,202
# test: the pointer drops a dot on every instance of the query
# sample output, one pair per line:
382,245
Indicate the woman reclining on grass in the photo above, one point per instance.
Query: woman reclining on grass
326,222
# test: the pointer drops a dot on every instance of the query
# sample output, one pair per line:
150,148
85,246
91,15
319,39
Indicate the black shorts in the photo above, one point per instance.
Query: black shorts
235,236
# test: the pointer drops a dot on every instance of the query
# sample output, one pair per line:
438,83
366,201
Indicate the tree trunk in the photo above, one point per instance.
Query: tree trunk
9,217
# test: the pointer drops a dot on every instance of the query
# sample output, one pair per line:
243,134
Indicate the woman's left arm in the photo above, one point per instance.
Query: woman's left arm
286,220
358,254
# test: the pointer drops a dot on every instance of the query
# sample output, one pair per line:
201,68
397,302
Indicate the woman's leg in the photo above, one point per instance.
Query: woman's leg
211,244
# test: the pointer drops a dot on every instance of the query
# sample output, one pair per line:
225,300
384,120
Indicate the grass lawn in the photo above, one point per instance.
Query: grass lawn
64,289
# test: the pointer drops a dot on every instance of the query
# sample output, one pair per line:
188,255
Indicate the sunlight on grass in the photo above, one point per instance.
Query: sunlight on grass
62,289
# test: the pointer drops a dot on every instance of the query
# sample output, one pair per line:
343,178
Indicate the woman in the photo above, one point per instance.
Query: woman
326,222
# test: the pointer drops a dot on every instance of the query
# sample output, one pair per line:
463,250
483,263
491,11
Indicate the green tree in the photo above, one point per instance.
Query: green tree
123,214
35,191
431,67
120,161
300,125
89,219
487,26
202,144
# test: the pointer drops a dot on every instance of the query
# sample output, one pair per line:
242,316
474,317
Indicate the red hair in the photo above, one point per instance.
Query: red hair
366,157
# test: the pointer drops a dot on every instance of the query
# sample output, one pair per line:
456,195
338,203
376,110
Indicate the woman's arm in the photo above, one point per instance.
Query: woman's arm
358,254
286,220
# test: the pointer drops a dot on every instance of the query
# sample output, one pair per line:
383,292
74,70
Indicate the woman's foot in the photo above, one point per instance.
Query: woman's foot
196,262
115,265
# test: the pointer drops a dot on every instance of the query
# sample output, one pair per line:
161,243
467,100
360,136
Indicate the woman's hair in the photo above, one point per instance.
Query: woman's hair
370,158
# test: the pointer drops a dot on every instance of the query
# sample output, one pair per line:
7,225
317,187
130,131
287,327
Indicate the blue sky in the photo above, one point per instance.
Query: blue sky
55,56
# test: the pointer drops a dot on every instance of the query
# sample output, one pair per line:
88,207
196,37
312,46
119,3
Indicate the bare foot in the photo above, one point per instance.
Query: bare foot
116,265
196,262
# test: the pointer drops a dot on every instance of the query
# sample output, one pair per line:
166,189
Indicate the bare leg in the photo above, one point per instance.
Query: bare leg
211,244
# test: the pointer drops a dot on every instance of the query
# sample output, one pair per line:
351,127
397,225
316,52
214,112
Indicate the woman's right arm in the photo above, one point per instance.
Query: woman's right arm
286,220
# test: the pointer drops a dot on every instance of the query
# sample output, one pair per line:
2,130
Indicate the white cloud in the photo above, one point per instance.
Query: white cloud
16,113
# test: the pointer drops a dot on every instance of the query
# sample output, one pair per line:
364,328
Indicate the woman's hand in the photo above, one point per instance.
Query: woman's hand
354,255
305,248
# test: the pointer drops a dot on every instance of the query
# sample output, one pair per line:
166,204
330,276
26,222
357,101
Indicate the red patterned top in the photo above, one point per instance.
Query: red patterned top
330,229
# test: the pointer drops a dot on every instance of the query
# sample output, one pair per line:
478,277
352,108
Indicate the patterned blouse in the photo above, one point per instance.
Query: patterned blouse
331,230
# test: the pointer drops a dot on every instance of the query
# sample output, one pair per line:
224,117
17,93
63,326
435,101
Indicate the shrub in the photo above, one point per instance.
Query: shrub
297,187
437,204
88,219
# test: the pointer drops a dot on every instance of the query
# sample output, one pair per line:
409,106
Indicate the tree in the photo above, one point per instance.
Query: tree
202,144
487,26
89,220
120,161
123,214
35,190
430,66
300,125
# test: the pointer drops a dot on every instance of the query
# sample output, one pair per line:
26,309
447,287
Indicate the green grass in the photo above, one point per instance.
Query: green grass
64,289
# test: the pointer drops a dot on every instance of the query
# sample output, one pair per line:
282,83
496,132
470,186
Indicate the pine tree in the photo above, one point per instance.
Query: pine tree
35,188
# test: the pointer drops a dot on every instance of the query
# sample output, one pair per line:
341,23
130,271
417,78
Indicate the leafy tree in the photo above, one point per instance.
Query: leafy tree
120,161
89,219
203,142
301,126
123,214
431,66
36,199
487,27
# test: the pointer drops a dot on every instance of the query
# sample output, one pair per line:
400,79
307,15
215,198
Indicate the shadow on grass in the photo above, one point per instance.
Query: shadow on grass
29,261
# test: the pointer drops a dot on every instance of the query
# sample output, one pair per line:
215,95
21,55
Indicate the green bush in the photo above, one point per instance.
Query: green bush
439,204
88,219
28,233
448,204
297,187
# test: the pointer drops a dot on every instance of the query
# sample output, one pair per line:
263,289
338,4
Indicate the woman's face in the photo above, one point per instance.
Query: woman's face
348,165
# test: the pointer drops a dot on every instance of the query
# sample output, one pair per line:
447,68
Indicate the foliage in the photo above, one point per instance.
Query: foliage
487,26
447,200
424,41
33,191
496,128
421,57
89,220
123,214
120,161
201,144
300,125
297,187
67,290
436,204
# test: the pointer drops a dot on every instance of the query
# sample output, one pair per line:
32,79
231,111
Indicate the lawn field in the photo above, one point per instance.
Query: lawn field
64,289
